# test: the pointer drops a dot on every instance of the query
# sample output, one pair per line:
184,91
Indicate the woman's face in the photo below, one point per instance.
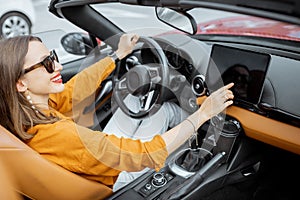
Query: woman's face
39,81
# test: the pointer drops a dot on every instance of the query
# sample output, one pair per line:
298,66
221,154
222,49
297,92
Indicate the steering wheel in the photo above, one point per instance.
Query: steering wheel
145,81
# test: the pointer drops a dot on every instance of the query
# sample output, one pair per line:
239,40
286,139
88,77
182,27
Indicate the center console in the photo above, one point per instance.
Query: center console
192,172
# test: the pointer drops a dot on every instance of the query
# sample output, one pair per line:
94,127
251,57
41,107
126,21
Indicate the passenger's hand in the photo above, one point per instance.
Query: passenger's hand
217,102
126,45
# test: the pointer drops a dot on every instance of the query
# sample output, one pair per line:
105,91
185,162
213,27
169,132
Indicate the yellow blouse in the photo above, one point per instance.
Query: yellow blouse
91,154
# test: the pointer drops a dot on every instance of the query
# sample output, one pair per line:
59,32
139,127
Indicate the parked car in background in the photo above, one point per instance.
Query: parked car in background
16,17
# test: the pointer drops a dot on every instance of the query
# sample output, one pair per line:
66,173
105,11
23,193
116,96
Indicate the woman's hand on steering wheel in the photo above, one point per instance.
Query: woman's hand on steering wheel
126,44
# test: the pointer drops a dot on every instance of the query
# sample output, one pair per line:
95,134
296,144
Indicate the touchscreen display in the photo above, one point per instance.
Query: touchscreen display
247,69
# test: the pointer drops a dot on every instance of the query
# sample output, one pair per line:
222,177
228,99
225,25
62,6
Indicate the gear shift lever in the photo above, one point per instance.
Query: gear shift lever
194,159
188,161
179,189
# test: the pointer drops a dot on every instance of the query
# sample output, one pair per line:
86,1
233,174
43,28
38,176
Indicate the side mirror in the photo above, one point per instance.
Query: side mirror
77,43
180,20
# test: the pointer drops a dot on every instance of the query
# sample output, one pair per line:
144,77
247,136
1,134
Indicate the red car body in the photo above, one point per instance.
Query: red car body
250,26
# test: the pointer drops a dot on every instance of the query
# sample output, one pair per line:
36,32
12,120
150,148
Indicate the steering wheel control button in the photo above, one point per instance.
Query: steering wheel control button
153,73
193,103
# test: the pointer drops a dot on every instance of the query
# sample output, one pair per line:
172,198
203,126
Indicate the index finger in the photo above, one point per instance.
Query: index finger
224,88
229,85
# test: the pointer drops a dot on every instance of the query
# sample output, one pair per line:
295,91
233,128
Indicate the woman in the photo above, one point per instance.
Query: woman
35,101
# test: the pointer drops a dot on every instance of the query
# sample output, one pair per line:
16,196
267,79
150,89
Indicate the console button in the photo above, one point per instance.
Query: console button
168,177
147,190
148,186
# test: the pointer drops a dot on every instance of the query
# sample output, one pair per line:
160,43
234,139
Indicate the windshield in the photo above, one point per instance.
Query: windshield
142,20
138,19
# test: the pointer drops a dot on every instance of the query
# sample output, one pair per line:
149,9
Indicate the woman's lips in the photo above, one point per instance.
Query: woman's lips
57,78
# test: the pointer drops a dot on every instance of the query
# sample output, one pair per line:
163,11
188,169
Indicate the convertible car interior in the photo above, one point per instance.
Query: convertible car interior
250,151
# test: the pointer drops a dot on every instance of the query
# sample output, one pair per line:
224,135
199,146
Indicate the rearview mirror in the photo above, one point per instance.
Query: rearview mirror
180,20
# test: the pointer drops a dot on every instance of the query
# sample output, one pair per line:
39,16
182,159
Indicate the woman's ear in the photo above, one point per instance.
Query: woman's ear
21,86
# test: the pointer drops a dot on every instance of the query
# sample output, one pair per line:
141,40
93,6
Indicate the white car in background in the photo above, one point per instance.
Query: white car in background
16,17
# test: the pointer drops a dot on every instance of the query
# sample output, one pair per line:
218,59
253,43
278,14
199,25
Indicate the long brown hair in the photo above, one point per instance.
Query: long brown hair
17,114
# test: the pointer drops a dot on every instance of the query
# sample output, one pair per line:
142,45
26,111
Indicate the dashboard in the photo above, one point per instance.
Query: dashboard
267,109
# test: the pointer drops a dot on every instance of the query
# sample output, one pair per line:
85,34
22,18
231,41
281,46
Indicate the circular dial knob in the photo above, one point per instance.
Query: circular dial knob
159,180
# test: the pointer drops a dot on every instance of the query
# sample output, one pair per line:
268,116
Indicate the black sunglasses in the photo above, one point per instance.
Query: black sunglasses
48,63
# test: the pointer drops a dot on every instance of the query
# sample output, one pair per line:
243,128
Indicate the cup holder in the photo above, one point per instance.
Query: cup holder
188,161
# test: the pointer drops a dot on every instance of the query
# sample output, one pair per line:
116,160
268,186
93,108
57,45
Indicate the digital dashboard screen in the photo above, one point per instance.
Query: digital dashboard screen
246,69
